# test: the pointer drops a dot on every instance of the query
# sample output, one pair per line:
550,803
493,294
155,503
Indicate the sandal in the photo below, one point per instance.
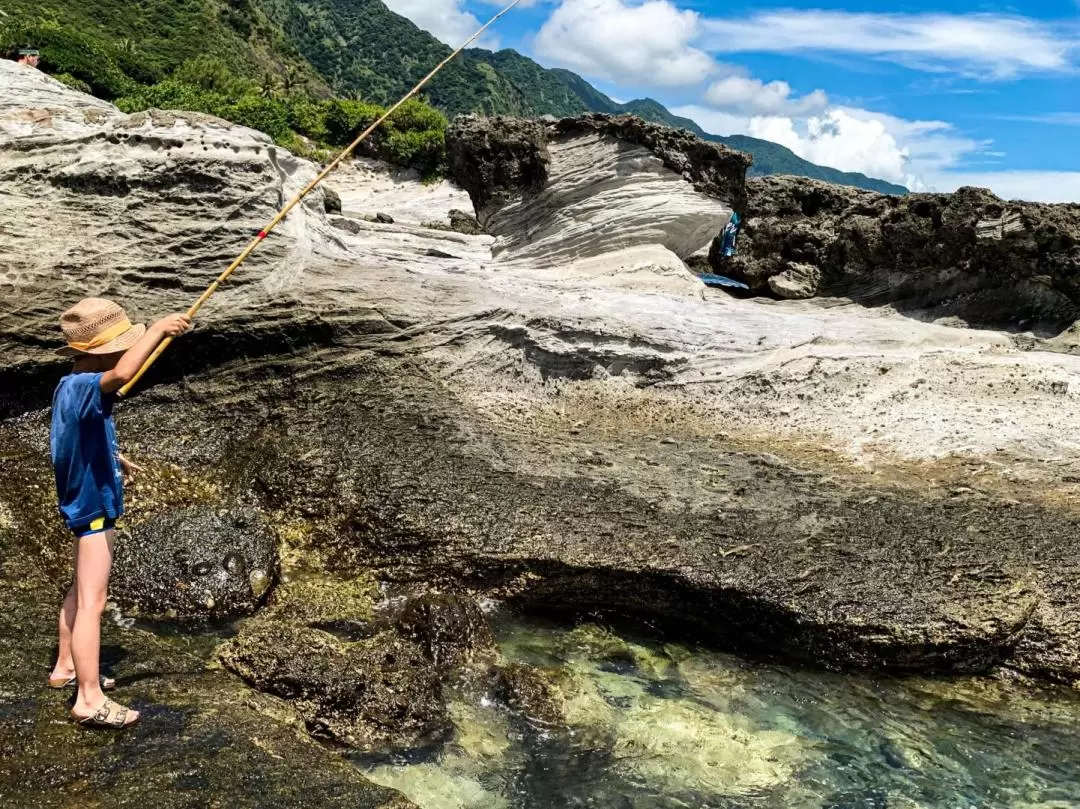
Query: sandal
109,716
107,683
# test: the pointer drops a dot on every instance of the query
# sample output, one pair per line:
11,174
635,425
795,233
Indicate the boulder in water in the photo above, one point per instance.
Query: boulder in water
375,685
381,694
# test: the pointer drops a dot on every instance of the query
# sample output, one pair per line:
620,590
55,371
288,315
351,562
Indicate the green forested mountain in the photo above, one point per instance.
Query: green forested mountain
361,47
290,52
111,44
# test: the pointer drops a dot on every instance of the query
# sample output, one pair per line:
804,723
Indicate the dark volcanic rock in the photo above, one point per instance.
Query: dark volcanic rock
451,629
373,685
967,254
197,562
331,200
497,159
531,691
463,222
380,694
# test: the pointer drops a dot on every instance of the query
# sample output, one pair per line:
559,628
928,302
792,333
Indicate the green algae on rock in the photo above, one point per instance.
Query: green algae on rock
380,694
195,563
372,685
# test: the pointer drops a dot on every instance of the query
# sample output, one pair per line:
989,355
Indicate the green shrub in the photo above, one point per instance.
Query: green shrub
175,95
265,114
73,83
212,74
67,51
308,118
345,119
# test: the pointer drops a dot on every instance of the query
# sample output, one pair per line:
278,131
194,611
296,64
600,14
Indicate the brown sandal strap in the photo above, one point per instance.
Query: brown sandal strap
106,716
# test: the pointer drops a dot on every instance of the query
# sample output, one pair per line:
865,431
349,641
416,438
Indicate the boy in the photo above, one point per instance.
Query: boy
108,351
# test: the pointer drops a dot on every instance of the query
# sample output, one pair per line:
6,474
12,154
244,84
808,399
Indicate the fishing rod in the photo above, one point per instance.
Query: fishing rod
258,239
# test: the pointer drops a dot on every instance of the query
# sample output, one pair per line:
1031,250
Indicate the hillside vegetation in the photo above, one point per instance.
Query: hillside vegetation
303,70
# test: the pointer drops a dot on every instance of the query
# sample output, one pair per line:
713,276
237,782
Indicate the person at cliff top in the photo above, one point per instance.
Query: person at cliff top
108,351
28,56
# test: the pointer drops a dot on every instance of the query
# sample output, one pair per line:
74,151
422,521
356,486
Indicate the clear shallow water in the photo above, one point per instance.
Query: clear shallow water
654,726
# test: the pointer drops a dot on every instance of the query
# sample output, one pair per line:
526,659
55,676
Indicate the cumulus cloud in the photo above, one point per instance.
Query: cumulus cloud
851,139
1036,186
755,97
984,45
647,43
444,19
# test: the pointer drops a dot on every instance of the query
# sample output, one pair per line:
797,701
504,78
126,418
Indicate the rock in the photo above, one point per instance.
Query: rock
966,254
331,200
406,416
452,630
497,159
434,252
380,694
797,282
374,685
531,691
585,187
466,223
384,218
202,730
195,563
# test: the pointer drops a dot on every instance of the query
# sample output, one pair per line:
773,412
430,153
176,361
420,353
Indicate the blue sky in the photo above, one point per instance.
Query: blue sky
930,94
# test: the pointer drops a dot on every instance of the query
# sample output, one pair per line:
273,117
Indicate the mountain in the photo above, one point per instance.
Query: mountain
360,46
352,48
113,45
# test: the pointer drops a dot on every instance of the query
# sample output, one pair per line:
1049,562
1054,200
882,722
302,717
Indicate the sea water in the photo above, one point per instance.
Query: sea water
649,725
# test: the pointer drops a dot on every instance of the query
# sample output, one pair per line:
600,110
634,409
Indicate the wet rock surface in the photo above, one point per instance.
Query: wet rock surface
969,254
373,684
381,694
202,732
199,562
820,483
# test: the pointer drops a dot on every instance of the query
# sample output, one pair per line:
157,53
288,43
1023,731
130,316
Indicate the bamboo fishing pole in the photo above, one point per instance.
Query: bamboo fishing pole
258,239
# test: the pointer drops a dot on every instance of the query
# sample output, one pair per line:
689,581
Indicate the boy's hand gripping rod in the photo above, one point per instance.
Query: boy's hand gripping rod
307,190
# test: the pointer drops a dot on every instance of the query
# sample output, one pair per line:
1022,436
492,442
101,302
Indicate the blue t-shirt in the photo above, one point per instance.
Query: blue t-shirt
89,484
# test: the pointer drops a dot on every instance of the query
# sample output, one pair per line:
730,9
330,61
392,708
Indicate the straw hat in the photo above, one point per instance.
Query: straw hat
97,326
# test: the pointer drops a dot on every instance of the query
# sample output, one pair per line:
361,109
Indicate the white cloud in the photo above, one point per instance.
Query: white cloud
852,139
444,19
922,155
985,45
1037,186
841,140
755,97
635,43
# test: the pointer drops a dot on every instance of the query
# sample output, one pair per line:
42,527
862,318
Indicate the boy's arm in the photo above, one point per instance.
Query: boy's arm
169,326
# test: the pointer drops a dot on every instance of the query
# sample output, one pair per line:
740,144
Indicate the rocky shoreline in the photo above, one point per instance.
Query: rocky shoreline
562,418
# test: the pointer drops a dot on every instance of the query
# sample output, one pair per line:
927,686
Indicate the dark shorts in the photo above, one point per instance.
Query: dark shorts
95,527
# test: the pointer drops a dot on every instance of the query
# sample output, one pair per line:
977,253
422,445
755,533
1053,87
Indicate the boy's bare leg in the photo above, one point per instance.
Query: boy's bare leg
65,664
93,562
